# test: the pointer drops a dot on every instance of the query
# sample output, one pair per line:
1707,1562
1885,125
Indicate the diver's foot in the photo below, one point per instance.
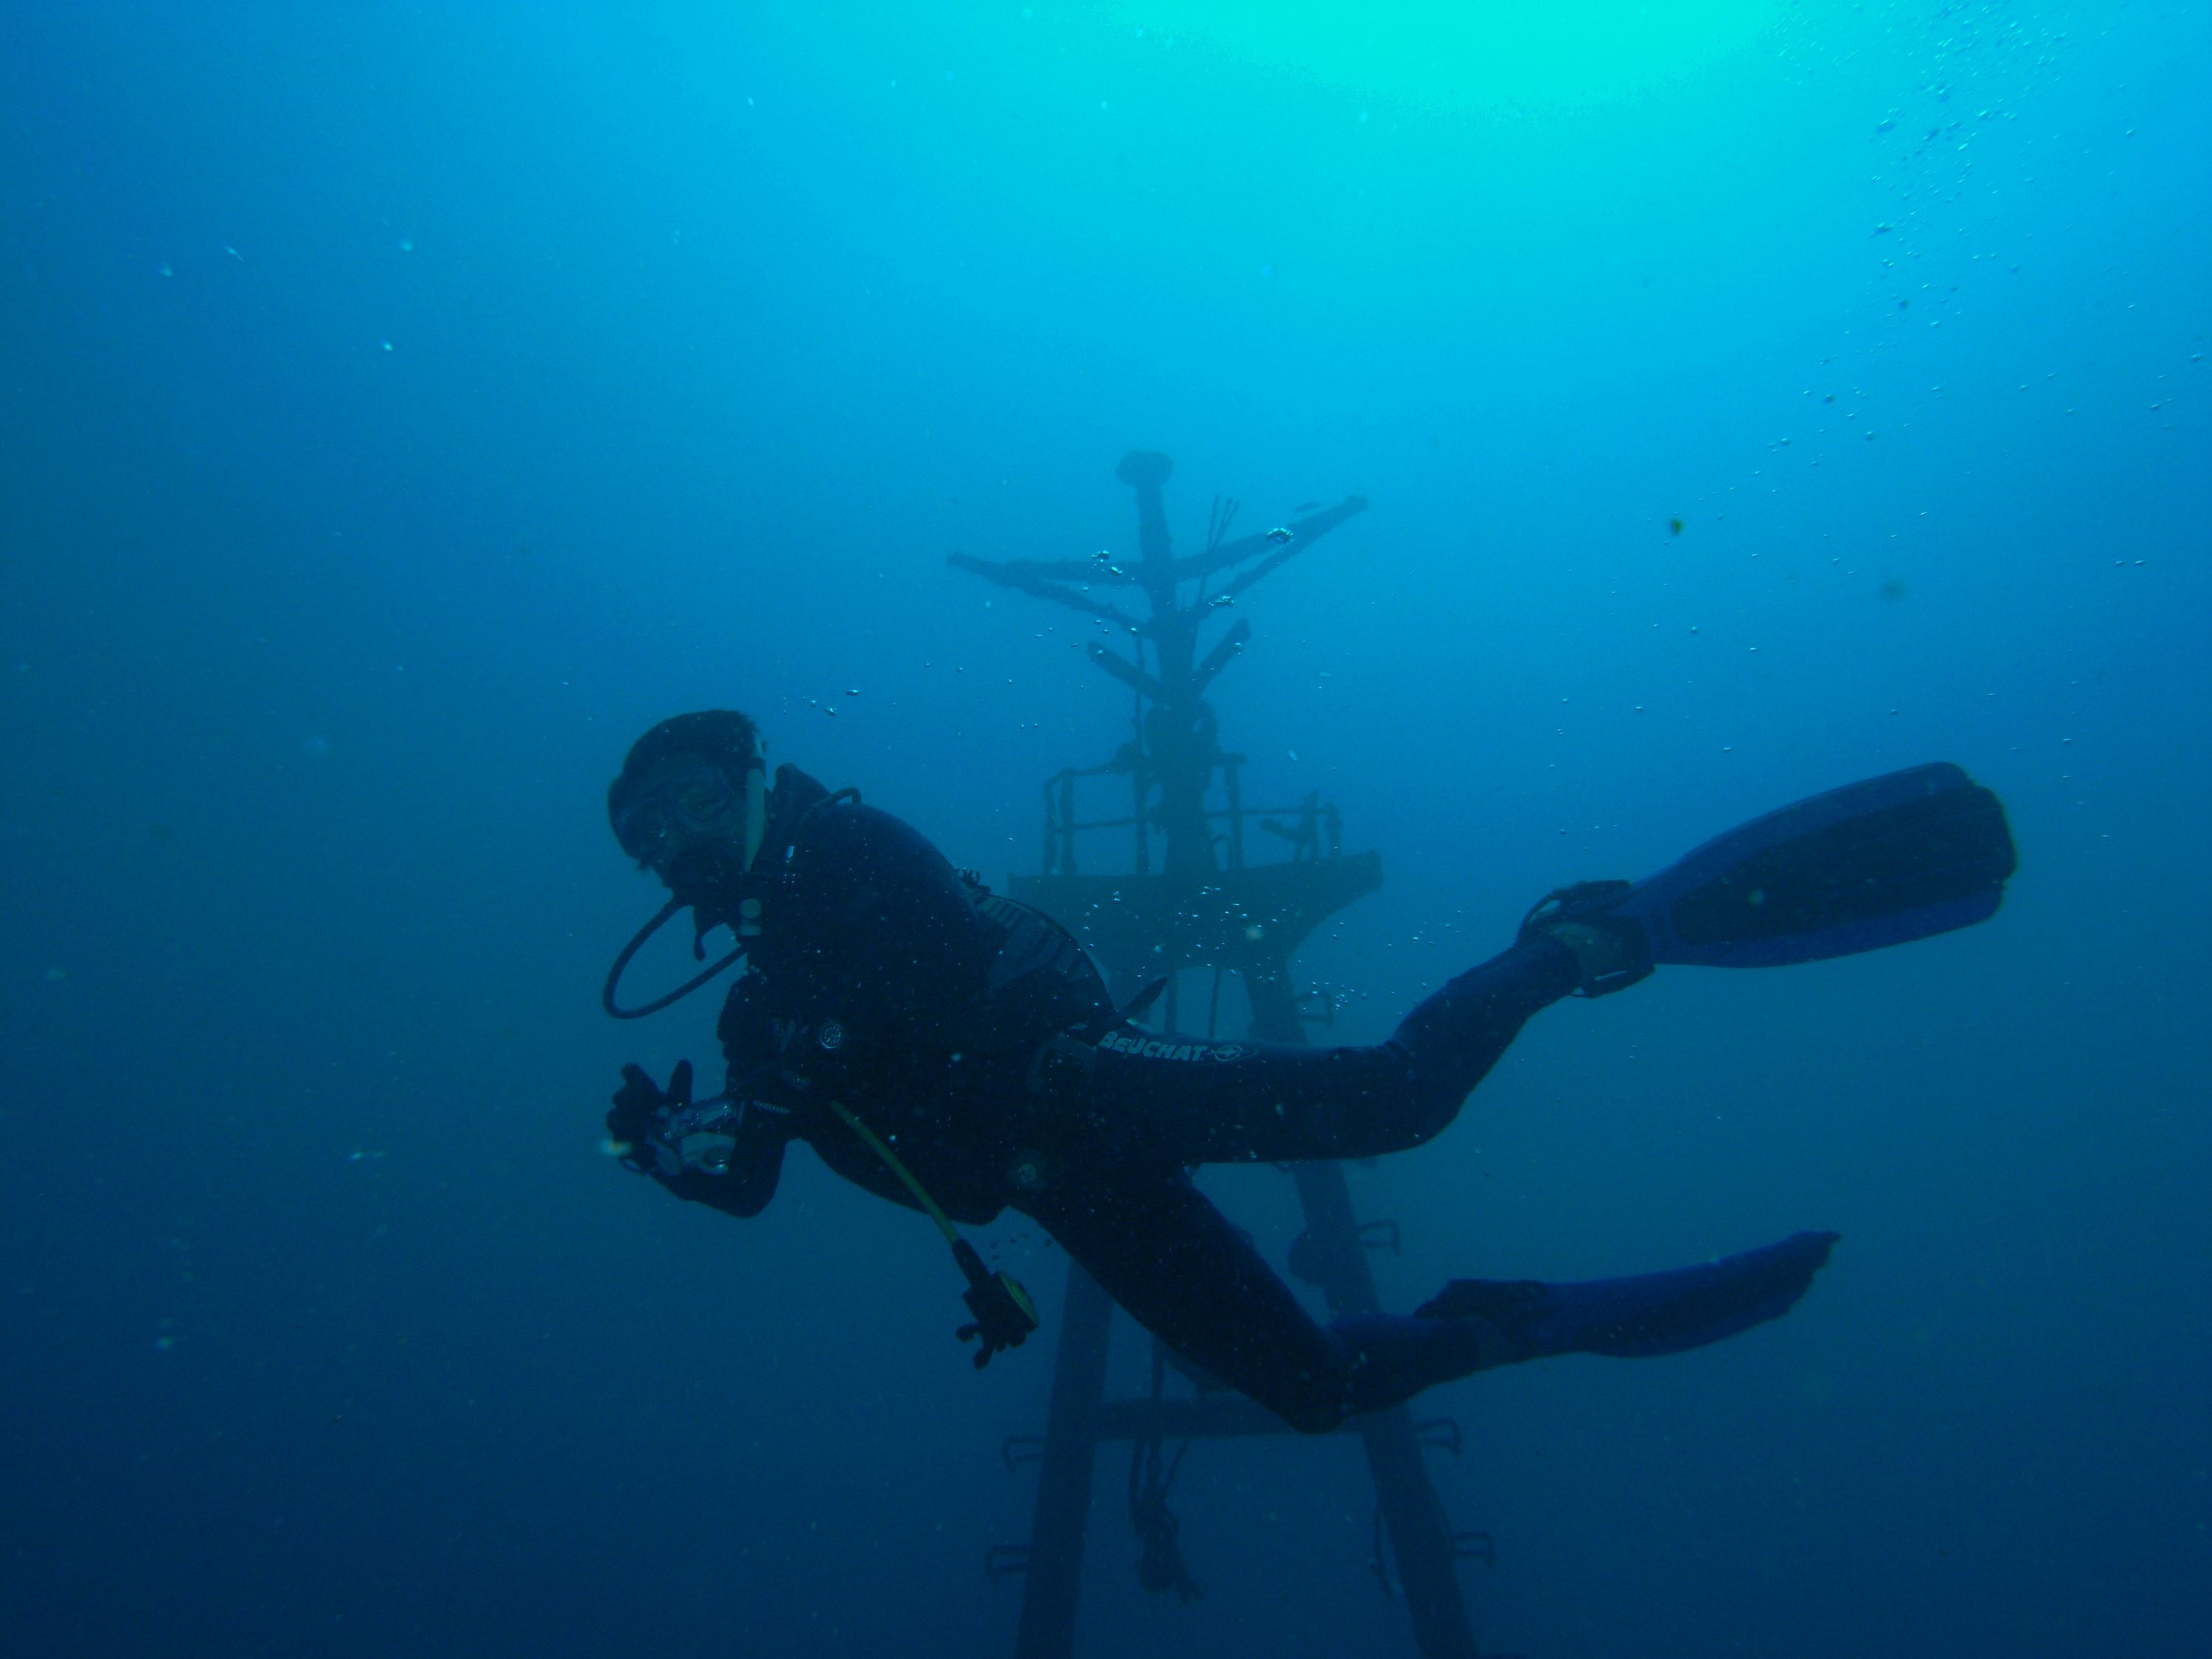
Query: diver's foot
1611,952
1650,1313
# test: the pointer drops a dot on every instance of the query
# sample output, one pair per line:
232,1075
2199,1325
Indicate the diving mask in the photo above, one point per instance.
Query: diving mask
692,804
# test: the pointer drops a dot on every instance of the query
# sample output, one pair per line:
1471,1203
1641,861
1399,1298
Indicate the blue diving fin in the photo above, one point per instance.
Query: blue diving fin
1639,1318
1873,864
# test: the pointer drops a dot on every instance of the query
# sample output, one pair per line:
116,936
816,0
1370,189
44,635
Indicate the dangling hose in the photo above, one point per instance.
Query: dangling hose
1004,1315
675,903
637,943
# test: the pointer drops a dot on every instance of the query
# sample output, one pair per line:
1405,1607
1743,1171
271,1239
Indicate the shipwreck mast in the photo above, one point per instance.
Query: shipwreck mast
1203,907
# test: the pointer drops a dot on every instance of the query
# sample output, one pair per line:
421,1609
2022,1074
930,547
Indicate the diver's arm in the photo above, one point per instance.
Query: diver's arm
744,1171
745,1187
726,1153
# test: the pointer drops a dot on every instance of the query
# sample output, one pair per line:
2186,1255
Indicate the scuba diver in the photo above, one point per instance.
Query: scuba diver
954,1051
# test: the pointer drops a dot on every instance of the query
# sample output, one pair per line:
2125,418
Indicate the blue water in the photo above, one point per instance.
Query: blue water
405,406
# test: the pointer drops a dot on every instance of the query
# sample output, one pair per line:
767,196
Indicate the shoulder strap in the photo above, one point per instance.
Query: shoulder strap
1032,942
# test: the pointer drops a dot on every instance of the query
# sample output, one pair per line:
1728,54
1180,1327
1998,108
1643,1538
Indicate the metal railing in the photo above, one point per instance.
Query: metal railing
1313,826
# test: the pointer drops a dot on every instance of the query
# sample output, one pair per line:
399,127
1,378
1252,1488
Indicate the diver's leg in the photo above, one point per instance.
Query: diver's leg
1196,1281
1210,1103
1190,1278
1193,1279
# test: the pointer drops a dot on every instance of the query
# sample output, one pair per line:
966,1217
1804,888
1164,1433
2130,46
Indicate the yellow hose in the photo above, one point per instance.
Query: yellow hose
892,1162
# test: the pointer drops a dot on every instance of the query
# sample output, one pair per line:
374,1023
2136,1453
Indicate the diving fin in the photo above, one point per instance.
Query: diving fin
1641,1317
1877,863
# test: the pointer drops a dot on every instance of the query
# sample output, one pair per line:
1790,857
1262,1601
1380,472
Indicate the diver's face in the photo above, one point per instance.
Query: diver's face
689,816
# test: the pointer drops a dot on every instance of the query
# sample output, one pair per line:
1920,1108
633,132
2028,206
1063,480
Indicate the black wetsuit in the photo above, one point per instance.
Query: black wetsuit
981,1046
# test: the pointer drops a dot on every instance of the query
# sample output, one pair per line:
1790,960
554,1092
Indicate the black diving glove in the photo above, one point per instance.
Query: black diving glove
641,1115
